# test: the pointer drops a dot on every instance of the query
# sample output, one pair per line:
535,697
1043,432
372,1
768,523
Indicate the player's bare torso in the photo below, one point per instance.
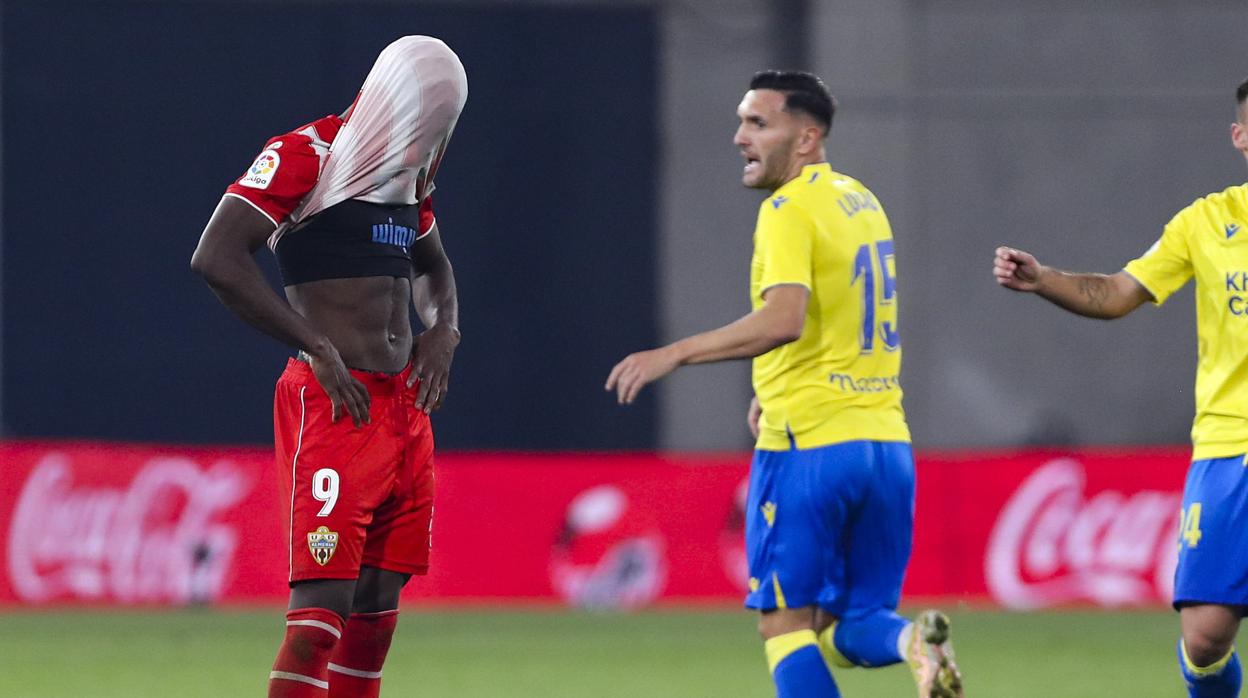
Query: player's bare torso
367,319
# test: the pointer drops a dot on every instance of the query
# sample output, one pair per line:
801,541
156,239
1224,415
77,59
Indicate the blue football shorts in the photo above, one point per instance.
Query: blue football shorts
830,526
1213,537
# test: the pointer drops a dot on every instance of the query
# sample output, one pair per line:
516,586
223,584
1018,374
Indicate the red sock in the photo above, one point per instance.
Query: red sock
356,665
302,666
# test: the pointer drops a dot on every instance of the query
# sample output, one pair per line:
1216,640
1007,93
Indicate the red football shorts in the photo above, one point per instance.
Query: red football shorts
355,496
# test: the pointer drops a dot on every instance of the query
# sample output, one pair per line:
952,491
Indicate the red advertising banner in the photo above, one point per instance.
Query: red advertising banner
112,524
1038,529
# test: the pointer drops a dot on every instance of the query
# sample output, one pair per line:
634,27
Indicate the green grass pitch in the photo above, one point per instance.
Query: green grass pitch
552,654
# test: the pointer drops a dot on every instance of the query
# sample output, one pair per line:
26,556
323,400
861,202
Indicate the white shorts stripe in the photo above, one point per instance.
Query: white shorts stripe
298,677
317,624
354,672
294,467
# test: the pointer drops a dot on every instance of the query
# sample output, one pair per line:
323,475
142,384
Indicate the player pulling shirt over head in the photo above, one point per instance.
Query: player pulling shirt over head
345,205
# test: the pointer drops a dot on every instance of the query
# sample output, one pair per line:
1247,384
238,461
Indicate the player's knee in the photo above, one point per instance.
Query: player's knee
1206,643
783,621
305,646
1208,632
1203,648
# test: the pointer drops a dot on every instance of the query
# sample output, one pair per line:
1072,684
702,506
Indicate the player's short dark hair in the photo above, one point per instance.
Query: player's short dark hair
1241,93
803,92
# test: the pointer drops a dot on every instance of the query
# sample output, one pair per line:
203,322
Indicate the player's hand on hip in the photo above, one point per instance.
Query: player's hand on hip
752,415
636,370
432,353
1015,269
344,391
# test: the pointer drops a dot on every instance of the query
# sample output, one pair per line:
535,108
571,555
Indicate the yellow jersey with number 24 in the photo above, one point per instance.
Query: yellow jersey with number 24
1208,240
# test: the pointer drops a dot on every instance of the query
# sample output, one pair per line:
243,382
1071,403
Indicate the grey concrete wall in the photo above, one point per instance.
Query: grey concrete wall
1071,129
710,51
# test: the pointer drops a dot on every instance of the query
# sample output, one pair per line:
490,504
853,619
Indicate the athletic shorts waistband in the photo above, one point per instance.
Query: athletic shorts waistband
377,382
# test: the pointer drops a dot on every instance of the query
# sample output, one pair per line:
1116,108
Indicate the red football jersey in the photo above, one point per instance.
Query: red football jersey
286,169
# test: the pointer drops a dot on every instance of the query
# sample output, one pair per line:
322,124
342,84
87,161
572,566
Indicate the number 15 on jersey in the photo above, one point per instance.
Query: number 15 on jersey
870,260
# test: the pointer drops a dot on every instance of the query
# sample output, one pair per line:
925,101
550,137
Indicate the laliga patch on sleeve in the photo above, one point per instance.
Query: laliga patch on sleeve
261,173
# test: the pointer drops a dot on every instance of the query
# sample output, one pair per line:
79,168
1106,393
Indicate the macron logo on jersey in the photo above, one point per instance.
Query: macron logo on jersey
1231,229
779,201
391,234
260,174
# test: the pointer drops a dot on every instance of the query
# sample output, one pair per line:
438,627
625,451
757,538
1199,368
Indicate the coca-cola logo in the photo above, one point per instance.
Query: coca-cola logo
1053,544
156,539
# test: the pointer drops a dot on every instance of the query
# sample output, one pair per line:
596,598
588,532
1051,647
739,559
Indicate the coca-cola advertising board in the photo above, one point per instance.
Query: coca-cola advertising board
99,524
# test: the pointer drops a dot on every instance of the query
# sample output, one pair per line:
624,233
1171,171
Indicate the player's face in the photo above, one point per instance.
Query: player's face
767,138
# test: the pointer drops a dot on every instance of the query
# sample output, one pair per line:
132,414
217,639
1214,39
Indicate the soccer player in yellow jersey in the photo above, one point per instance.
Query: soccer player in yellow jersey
831,502
1207,241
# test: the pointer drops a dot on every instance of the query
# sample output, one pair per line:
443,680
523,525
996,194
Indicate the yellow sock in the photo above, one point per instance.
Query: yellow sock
781,646
827,647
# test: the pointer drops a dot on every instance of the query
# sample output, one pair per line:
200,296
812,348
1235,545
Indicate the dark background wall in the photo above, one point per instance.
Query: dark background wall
124,121
592,202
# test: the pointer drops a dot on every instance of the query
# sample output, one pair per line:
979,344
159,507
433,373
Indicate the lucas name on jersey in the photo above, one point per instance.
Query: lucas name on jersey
854,202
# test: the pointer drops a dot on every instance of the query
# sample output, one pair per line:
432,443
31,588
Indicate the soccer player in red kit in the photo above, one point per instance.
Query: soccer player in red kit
344,203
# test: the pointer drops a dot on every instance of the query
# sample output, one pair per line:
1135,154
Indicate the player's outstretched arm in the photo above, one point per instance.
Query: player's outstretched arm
224,258
437,304
778,322
1101,296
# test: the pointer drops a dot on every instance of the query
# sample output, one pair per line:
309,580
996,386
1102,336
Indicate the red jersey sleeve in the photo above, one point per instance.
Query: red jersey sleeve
427,218
283,173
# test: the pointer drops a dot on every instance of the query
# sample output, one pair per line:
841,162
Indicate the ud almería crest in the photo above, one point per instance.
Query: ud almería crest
322,542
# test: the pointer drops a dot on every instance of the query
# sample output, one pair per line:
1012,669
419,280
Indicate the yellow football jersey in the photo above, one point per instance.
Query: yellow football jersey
840,381
1209,240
